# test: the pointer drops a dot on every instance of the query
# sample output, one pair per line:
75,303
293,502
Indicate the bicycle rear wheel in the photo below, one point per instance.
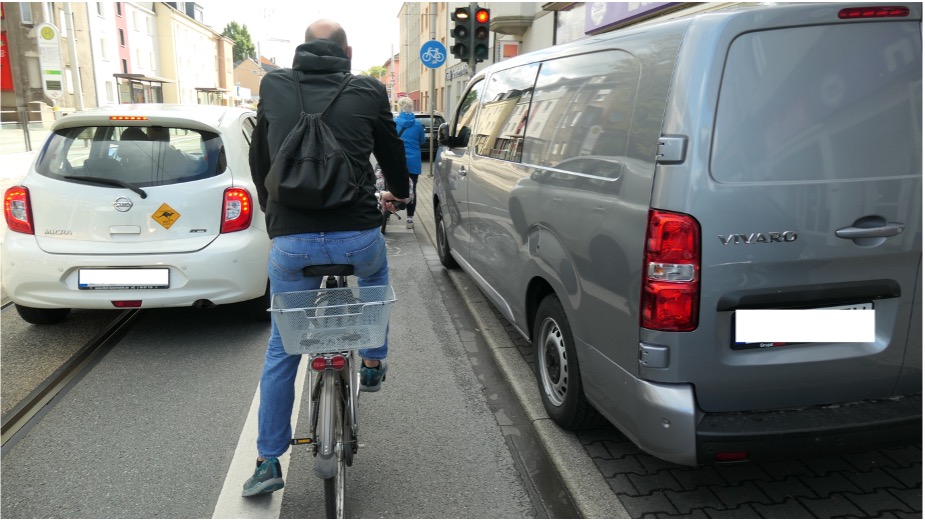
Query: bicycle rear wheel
334,487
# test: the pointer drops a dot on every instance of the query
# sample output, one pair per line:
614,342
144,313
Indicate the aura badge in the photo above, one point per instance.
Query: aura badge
165,216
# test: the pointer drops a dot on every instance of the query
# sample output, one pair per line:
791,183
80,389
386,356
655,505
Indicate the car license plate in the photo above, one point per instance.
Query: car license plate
842,328
119,279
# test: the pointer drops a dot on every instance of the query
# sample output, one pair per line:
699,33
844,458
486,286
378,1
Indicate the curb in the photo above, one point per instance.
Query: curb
591,493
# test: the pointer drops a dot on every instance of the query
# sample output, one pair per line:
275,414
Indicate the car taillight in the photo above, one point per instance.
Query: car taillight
237,210
876,11
671,278
18,210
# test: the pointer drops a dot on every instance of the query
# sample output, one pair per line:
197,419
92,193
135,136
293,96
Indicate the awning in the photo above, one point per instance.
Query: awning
142,77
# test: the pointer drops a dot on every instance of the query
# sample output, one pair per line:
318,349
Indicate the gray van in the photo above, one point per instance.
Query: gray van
621,199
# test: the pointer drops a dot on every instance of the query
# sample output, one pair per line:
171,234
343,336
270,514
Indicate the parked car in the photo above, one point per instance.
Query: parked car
430,130
626,201
138,206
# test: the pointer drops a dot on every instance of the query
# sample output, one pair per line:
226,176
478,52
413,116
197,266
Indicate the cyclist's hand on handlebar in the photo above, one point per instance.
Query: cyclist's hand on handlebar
393,203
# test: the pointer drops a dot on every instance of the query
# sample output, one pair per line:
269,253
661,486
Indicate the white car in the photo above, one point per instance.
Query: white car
138,206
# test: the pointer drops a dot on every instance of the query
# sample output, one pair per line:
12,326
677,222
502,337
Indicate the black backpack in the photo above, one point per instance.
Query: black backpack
311,170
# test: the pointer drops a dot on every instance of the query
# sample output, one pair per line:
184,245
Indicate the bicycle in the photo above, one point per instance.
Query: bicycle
330,325
380,187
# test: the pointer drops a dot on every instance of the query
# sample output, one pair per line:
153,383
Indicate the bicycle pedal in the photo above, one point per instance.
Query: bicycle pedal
301,441
361,445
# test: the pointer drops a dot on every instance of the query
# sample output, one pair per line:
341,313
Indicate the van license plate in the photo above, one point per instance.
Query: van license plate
773,319
120,279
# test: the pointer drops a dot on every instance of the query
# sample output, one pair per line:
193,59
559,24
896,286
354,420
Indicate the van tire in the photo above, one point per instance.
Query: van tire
41,316
558,375
443,245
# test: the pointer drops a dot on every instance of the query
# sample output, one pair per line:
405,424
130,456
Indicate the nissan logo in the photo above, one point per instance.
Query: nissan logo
122,204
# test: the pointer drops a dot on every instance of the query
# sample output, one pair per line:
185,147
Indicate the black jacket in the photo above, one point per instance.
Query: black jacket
360,119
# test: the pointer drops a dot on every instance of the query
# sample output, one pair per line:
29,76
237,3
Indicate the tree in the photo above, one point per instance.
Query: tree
243,44
377,71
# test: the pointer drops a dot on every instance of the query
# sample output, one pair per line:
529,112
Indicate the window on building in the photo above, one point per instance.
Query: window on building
101,9
118,8
121,38
25,10
62,23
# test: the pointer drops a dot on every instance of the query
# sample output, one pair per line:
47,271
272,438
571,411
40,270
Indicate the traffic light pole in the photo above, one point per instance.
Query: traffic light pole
473,7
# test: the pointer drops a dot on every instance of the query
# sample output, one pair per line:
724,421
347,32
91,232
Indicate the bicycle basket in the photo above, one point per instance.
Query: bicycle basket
333,320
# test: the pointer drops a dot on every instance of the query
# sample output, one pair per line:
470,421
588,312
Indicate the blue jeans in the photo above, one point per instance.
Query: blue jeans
366,251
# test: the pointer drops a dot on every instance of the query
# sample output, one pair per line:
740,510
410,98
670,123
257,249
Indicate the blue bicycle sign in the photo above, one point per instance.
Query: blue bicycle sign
433,54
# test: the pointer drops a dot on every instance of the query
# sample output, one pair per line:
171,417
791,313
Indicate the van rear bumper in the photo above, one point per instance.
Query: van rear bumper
819,430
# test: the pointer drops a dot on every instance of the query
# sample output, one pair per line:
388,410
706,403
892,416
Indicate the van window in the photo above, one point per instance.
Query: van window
582,106
465,114
503,118
143,156
817,103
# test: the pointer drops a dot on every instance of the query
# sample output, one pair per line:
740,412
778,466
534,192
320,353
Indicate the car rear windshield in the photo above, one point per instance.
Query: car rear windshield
142,156
821,103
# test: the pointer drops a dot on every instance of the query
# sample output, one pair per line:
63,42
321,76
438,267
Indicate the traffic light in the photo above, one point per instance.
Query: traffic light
480,33
462,33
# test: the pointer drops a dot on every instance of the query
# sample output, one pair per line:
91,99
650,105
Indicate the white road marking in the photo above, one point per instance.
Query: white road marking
230,503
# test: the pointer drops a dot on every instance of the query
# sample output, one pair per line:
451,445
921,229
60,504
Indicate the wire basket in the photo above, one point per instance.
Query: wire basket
333,320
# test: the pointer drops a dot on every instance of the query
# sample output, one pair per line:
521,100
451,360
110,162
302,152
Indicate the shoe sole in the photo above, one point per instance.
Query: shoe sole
274,484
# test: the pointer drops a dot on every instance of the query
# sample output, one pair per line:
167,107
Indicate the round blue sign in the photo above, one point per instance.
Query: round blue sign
433,54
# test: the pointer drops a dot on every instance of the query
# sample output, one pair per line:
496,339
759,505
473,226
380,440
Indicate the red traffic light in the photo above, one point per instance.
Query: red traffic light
482,16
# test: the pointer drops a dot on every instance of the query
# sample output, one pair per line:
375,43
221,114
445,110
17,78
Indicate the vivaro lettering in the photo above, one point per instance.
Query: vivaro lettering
758,238
58,232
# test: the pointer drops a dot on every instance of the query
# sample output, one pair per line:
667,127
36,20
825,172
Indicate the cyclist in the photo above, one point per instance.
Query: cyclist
361,121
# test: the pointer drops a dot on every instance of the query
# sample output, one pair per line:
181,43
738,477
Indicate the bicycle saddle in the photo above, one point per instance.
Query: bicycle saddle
328,270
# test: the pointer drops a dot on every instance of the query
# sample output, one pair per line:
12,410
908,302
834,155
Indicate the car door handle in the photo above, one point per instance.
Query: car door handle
462,171
889,230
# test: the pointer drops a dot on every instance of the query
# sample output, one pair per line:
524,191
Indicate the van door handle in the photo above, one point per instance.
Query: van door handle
889,230
462,171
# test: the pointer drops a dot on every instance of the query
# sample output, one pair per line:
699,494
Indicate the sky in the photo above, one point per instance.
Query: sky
372,26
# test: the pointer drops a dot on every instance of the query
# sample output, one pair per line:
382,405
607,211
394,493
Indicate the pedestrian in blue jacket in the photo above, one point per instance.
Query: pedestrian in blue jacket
411,131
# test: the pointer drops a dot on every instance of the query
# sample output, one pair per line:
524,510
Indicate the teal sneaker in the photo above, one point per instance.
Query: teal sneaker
371,378
268,477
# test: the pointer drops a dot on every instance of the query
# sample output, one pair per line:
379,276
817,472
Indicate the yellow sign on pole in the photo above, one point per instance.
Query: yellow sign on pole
49,43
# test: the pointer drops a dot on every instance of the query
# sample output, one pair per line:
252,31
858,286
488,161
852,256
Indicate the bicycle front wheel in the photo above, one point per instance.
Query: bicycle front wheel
334,487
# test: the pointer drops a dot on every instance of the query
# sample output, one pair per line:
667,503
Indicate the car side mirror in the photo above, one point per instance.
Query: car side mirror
443,137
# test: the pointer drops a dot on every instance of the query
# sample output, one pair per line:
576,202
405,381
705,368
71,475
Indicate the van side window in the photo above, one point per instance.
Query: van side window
465,115
505,107
583,107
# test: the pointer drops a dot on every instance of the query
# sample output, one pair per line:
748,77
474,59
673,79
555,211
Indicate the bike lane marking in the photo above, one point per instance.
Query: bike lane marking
230,502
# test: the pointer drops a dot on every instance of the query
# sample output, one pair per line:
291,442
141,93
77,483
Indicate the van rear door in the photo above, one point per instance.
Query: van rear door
812,199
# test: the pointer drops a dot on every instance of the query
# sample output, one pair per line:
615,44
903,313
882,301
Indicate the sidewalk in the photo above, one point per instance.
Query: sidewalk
586,484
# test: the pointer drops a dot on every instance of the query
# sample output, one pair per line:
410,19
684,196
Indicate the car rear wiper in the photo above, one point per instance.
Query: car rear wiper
108,182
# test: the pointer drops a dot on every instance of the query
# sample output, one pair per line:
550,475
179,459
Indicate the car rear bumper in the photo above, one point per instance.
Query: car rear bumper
818,430
233,268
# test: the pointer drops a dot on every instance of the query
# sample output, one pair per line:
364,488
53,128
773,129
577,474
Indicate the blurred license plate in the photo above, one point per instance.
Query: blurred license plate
115,279
815,327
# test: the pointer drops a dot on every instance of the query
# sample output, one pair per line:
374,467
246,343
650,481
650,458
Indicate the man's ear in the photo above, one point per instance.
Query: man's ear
349,52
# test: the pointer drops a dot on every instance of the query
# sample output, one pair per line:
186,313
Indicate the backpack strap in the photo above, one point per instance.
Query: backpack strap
298,90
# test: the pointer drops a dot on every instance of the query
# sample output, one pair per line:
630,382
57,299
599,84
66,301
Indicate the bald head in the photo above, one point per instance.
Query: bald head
327,30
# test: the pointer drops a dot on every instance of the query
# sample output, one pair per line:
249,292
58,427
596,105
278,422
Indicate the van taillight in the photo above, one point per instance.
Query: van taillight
18,210
237,210
671,278
876,11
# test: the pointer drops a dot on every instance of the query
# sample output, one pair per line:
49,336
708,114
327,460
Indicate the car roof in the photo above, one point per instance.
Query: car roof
204,117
